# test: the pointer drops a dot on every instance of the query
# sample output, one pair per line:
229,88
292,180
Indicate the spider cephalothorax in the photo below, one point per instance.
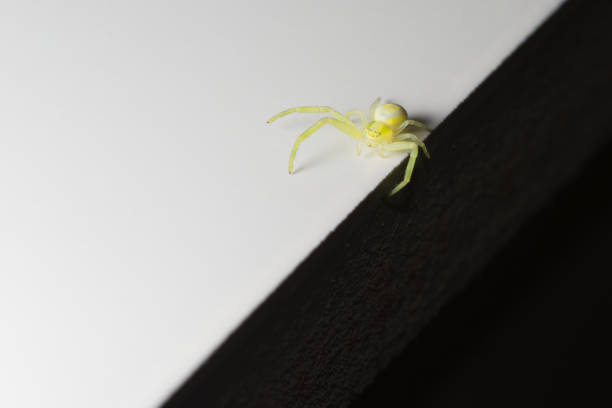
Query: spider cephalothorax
377,133
383,130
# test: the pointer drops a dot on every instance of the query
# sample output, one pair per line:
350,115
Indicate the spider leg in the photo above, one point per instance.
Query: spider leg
415,139
364,123
352,131
373,108
415,123
380,151
414,152
314,109
362,116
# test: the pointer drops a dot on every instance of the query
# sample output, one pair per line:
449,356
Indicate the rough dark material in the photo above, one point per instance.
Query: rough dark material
533,328
368,289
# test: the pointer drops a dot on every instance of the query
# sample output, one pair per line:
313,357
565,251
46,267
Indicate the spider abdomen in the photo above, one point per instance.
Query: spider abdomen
391,115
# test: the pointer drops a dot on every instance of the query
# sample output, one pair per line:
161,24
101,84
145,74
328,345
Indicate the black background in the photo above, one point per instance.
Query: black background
533,327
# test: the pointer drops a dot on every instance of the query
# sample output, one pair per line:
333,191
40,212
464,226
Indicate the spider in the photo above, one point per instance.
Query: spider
383,131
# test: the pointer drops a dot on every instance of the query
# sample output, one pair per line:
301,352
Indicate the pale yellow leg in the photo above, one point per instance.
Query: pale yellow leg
414,152
415,139
314,109
362,116
415,123
373,108
341,125
362,119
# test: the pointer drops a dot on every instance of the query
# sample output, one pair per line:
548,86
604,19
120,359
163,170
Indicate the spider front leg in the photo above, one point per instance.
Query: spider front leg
362,116
413,148
352,131
313,109
364,122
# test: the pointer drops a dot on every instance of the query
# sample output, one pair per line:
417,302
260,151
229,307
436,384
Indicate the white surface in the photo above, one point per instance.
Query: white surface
145,205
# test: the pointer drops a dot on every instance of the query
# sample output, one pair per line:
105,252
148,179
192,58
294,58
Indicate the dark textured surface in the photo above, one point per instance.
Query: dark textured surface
375,281
532,329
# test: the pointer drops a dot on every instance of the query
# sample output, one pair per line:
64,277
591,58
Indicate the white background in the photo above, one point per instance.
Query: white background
145,205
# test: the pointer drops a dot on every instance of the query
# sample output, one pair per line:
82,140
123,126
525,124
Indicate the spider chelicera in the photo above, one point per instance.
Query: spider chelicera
382,130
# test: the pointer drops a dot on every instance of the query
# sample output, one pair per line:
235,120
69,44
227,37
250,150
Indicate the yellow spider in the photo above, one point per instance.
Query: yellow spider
383,131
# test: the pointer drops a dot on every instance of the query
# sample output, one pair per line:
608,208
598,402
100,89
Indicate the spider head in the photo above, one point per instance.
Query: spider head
377,133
